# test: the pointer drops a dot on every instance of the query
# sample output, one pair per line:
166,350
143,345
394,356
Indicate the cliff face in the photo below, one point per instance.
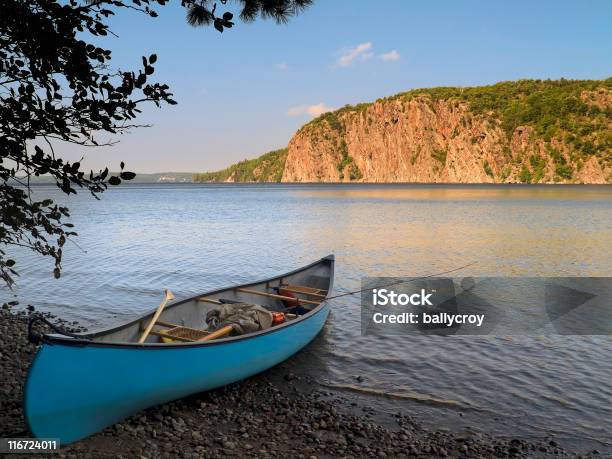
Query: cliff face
528,131
427,139
395,141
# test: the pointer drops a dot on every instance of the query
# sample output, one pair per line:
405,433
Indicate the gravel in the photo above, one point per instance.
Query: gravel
274,414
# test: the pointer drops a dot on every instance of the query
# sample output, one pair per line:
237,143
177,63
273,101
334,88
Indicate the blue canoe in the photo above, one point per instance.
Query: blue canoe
78,385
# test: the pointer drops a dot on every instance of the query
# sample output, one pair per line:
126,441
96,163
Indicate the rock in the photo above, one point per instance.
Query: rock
229,445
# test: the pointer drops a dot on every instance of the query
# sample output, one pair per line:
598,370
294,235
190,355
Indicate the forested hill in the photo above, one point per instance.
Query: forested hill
266,168
529,131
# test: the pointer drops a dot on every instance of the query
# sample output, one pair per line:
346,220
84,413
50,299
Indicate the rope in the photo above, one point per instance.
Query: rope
401,282
37,338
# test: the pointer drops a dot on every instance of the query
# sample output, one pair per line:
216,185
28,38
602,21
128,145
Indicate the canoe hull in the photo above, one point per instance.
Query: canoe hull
73,391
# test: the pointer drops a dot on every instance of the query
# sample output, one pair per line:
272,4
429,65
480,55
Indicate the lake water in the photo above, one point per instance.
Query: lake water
189,238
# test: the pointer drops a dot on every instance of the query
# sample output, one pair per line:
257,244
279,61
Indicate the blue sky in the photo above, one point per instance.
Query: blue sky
246,91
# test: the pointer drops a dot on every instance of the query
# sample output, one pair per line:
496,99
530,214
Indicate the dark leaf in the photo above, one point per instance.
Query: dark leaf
127,175
64,88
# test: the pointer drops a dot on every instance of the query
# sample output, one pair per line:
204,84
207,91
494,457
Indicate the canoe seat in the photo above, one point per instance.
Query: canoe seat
315,292
277,297
183,333
178,333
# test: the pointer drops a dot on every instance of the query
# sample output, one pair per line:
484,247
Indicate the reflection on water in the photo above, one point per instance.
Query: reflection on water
190,238
462,192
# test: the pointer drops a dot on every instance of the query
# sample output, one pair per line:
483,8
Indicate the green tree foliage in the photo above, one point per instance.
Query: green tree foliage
354,171
266,168
347,163
564,171
525,175
58,87
332,120
538,164
440,155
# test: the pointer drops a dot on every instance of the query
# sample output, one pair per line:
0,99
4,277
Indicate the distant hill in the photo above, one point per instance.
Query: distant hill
160,177
528,131
164,177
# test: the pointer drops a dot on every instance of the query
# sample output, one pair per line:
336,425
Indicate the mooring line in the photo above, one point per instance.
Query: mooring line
402,282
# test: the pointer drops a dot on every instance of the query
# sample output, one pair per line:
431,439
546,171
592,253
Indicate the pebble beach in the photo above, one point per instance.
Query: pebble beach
278,413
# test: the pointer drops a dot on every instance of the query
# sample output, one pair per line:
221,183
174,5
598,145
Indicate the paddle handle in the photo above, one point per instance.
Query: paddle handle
218,333
168,296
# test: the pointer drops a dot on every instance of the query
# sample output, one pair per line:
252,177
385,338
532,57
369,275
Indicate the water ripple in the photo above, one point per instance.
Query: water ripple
140,239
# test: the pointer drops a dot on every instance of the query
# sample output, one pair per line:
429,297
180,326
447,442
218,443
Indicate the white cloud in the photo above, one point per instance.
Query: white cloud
282,66
312,110
392,55
359,52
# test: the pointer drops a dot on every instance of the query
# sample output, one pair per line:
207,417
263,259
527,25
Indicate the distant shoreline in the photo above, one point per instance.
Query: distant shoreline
351,184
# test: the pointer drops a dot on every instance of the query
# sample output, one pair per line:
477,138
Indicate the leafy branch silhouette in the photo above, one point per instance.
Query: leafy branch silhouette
57,87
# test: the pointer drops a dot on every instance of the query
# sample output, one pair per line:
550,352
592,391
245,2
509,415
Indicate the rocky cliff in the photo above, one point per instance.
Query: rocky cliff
528,131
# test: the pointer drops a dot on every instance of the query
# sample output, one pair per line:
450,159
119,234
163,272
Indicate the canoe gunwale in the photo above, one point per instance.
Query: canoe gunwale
58,339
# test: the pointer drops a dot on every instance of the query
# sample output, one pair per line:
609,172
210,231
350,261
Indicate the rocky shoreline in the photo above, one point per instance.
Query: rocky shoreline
274,414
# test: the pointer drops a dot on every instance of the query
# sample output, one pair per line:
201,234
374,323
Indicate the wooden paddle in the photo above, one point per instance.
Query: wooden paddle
168,296
218,333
